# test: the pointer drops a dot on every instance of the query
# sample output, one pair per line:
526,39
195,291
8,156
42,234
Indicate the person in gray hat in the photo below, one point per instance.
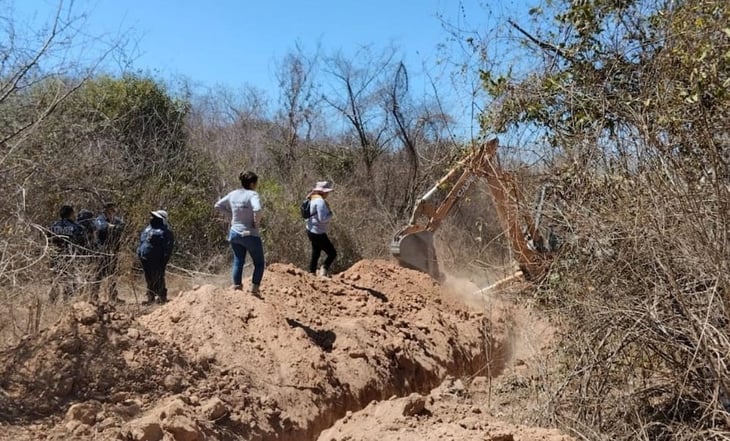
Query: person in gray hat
154,251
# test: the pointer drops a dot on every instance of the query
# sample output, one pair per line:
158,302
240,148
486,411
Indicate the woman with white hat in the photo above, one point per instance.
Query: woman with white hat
154,251
317,226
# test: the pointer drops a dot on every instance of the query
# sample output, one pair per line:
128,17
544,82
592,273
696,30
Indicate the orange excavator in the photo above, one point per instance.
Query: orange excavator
413,246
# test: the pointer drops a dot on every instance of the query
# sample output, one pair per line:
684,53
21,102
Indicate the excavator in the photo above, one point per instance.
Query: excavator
413,246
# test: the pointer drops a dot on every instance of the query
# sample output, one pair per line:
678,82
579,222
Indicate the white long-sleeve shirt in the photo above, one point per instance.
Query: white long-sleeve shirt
319,221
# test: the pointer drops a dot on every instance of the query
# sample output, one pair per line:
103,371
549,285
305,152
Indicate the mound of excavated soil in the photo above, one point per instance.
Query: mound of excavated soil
93,353
220,364
315,348
454,411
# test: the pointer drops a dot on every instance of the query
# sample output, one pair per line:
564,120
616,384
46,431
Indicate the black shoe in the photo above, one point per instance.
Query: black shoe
161,300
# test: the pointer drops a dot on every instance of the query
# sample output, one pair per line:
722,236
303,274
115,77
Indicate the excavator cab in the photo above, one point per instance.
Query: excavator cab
413,246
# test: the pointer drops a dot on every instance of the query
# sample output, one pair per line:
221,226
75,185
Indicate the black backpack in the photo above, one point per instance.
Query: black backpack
304,209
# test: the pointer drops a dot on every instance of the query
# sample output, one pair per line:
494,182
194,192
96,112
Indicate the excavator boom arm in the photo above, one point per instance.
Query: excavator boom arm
413,245
468,170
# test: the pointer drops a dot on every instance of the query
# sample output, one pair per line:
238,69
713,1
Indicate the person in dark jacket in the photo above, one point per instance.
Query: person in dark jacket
85,219
66,236
87,256
155,248
108,229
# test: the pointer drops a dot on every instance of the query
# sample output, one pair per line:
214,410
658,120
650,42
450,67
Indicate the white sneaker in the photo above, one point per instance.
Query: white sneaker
322,272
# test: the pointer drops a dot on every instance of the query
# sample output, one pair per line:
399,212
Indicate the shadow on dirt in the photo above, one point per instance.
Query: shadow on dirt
375,293
324,339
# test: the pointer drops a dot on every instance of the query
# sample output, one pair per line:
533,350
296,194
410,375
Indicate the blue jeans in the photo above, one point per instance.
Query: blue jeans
253,246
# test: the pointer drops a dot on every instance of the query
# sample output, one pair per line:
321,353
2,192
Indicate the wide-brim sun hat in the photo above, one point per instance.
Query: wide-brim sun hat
161,214
323,187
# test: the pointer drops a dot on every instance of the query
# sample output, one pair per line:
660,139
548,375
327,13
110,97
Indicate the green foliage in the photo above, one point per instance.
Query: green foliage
122,139
633,99
187,193
283,227
138,115
495,86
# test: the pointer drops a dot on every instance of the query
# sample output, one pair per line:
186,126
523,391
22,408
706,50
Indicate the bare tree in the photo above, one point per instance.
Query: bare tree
39,70
358,93
30,58
298,99
419,126
232,125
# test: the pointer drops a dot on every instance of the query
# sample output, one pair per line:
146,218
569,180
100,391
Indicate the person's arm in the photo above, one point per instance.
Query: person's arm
169,245
223,204
142,240
323,212
257,209
79,235
102,229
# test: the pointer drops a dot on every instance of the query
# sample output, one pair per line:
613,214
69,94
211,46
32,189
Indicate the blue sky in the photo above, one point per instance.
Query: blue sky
237,43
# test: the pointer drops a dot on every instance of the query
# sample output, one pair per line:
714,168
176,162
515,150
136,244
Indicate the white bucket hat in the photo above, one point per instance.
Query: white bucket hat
162,214
323,187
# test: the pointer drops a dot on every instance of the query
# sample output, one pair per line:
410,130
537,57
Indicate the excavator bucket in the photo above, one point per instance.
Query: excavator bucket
415,250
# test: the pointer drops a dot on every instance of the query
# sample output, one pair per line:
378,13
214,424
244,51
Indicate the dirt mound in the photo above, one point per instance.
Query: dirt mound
453,411
311,349
221,364
93,353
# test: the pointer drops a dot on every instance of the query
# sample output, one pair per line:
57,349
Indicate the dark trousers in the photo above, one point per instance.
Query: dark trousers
65,277
106,269
320,242
154,275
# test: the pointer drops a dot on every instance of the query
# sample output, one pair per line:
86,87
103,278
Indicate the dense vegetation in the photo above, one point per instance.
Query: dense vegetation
632,101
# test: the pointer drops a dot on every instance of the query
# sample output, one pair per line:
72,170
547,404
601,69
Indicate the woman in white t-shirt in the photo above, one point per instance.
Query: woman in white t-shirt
244,207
